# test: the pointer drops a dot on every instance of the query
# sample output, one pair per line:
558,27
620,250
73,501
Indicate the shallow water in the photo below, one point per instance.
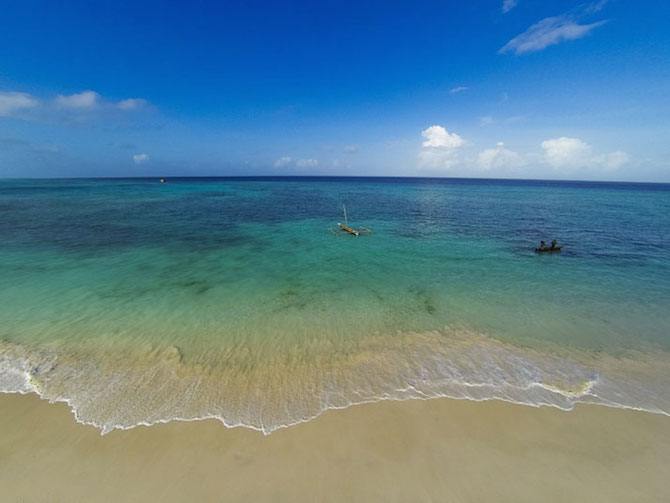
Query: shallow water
140,302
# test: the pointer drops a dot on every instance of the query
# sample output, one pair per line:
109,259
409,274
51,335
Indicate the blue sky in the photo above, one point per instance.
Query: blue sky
499,88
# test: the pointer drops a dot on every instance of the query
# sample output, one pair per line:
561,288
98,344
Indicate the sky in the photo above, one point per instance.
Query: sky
493,88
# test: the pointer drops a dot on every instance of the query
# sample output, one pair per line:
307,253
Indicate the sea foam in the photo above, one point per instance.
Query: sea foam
119,388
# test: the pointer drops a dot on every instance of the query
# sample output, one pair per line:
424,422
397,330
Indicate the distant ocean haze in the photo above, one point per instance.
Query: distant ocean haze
140,302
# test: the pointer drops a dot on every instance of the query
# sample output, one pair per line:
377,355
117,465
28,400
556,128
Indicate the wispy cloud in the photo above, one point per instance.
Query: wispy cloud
83,100
593,7
459,89
69,109
283,161
508,5
573,153
300,164
131,104
140,158
352,149
499,158
554,30
12,103
307,163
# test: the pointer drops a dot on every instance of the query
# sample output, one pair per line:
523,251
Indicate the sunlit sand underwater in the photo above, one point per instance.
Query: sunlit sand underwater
140,302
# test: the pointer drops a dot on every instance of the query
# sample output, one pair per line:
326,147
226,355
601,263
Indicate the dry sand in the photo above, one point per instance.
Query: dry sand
438,450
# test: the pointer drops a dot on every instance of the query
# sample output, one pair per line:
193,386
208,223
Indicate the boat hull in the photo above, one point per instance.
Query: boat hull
349,229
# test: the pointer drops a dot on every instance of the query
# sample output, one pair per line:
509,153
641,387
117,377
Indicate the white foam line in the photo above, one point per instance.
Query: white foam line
386,397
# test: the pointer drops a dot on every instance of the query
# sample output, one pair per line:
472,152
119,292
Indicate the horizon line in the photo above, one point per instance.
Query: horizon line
399,177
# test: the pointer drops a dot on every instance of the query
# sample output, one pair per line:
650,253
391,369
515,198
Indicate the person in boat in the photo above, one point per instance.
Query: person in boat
553,244
543,245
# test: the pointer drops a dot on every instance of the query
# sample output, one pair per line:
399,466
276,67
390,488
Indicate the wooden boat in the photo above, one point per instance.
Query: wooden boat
345,226
548,249
348,229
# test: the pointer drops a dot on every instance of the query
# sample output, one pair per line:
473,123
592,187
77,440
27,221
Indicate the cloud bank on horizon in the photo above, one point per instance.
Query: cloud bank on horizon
513,88
563,157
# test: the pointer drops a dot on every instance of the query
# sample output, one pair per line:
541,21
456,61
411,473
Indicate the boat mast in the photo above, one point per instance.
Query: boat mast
346,220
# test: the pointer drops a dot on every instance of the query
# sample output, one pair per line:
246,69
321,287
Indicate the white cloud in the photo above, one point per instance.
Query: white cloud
486,121
12,102
76,109
132,103
560,157
140,158
83,100
566,152
438,159
573,153
554,30
352,149
283,161
594,7
499,158
440,150
438,137
459,89
613,160
307,163
508,5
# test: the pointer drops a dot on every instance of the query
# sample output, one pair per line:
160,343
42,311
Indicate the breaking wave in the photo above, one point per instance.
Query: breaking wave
123,387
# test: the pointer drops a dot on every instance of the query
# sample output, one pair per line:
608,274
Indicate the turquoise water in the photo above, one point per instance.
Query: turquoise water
139,302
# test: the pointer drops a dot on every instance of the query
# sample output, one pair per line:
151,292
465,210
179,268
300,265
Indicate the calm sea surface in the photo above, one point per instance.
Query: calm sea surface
138,301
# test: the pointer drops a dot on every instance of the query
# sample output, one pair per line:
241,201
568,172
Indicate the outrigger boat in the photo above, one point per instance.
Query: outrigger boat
345,227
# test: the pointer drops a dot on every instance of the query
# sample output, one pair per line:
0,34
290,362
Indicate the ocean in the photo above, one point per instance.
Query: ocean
139,302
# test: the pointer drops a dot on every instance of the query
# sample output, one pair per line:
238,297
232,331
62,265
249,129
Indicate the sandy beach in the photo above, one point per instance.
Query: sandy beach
435,450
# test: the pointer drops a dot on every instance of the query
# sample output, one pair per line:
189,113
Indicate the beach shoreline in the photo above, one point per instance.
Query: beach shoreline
142,303
428,450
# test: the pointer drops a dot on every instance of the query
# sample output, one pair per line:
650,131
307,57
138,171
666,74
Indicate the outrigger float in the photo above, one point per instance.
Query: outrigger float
345,227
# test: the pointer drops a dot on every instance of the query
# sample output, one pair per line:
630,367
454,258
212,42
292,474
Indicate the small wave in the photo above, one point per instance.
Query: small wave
121,387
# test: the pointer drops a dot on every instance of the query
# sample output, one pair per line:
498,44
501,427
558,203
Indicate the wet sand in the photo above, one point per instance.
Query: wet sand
435,450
